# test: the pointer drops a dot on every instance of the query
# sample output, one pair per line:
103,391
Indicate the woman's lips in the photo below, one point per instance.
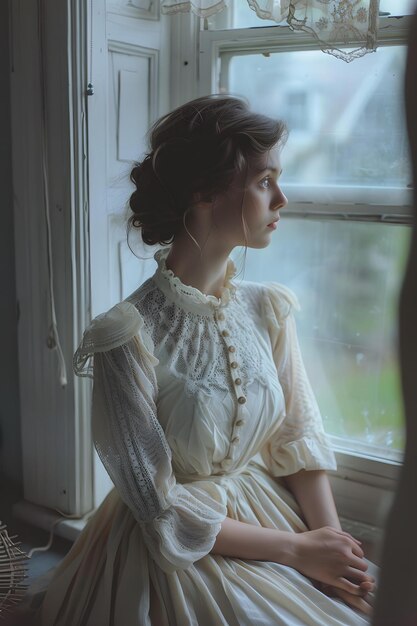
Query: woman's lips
272,225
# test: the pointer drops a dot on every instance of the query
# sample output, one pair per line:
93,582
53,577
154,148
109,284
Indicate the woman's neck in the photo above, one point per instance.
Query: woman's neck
204,270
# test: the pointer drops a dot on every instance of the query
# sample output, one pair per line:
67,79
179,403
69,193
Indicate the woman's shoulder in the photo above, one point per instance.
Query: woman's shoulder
112,329
126,318
148,300
269,299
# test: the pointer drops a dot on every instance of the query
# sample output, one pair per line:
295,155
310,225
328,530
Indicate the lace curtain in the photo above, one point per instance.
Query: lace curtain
332,23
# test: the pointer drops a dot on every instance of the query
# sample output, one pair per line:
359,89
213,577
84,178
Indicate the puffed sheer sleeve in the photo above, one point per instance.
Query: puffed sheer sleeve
300,442
179,523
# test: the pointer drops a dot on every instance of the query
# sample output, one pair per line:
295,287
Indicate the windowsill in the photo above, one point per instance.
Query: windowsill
44,518
358,465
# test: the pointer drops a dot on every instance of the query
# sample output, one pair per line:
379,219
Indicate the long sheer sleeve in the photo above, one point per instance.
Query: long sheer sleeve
300,442
179,522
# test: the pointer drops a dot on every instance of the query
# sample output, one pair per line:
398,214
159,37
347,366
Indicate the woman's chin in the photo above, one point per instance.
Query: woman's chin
259,243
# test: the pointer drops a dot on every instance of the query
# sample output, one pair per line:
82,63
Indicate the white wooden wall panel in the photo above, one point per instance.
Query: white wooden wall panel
133,99
129,55
131,49
132,104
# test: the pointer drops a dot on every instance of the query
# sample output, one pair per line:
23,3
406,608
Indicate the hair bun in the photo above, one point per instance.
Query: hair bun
152,205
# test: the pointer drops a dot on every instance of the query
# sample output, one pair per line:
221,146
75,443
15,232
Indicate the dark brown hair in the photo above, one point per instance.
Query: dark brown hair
198,147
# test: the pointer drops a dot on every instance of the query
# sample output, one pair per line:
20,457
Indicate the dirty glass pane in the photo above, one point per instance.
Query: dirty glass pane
346,120
347,276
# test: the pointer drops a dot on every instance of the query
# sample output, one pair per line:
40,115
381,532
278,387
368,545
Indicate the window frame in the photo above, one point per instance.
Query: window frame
363,485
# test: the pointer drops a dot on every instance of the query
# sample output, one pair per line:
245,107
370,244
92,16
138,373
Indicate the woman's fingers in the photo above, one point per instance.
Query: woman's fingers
348,585
359,603
358,563
363,604
368,585
357,550
342,564
370,598
356,575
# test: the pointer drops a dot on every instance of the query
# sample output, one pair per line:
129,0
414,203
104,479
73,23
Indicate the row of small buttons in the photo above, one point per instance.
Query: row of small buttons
228,461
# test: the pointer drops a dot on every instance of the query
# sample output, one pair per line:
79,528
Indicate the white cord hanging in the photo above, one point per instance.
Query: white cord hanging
55,523
53,340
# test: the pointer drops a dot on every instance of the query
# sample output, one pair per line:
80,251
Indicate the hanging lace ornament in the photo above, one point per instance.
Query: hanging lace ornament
13,570
333,23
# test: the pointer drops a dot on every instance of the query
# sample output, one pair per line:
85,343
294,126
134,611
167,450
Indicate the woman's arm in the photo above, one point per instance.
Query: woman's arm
305,552
178,522
299,447
247,541
314,495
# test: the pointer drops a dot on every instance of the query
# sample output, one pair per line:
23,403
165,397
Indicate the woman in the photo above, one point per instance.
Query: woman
203,416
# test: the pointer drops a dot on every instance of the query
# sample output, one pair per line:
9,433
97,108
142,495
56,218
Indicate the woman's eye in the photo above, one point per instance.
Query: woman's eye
265,183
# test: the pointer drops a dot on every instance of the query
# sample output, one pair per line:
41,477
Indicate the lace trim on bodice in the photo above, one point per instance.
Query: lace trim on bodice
189,339
190,297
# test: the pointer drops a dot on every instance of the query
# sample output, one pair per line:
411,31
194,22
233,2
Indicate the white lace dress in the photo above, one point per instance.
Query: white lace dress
200,405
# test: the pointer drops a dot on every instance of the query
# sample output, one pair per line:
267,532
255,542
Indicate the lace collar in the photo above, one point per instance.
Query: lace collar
191,297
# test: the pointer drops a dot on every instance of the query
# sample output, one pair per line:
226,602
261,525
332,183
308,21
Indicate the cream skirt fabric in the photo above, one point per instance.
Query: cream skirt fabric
104,579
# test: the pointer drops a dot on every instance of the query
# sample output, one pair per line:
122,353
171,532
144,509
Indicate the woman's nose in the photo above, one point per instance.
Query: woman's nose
281,200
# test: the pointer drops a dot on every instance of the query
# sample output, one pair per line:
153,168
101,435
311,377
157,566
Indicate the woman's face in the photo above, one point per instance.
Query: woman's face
253,204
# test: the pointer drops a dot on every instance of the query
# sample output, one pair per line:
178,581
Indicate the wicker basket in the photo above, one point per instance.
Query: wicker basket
13,571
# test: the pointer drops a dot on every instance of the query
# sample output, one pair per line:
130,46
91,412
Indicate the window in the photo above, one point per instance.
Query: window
344,239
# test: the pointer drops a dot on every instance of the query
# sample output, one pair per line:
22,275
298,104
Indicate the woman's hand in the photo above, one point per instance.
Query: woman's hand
363,603
332,557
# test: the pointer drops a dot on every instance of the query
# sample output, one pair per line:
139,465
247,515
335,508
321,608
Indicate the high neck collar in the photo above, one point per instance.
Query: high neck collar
189,297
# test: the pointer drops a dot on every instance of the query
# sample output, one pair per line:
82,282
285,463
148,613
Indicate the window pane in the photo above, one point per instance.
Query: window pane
347,276
397,7
346,120
237,15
